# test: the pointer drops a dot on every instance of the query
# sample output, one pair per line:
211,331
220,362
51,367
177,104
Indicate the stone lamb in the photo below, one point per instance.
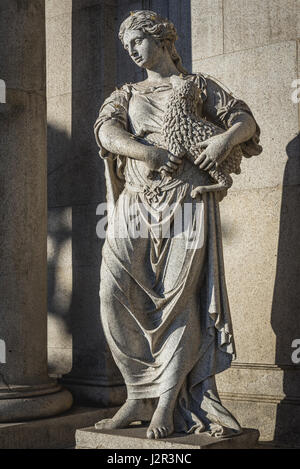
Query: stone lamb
184,130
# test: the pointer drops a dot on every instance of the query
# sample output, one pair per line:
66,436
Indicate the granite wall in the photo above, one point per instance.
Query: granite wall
251,46
255,53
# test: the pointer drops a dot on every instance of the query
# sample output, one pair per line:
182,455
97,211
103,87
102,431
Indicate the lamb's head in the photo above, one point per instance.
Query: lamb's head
187,97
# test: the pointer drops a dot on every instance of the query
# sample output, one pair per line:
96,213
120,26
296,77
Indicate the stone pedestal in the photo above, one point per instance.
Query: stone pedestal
134,438
26,392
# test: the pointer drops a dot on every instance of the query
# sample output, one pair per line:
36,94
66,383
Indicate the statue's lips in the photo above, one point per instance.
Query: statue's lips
138,59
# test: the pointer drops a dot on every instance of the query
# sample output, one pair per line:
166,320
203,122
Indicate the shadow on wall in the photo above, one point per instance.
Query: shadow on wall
286,299
74,258
76,186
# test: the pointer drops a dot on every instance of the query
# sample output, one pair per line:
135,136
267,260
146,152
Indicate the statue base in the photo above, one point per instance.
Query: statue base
134,438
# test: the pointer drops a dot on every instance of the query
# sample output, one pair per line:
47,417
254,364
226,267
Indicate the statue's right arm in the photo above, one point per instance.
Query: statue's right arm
115,139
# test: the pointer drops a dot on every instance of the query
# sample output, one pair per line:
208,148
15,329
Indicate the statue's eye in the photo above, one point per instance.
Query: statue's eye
138,41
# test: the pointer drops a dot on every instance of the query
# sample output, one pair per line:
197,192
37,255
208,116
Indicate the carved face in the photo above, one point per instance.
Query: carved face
143,49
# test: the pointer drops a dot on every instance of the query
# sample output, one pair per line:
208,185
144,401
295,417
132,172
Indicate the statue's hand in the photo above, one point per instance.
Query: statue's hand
215,150
159,159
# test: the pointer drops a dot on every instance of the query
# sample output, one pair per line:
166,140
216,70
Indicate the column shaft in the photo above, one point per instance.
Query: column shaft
26,392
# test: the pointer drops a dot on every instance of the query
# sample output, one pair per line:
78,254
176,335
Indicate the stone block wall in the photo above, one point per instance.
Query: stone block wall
255,53
253,48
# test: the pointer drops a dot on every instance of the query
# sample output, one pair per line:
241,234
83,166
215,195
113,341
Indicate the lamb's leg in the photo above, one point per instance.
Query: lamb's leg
224,183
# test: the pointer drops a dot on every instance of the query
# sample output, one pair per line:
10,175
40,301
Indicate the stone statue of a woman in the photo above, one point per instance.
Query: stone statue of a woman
164,305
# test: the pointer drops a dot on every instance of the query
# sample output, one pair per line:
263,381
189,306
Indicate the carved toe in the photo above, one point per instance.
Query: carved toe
102,424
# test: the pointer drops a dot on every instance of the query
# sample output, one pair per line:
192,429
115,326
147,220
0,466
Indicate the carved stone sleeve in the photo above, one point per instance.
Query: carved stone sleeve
222,107
115,107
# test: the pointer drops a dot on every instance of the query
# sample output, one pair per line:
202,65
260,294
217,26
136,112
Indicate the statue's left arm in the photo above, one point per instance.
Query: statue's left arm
235,117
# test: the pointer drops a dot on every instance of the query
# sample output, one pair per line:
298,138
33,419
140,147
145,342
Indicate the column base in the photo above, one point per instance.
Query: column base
91,393
15,407
56,432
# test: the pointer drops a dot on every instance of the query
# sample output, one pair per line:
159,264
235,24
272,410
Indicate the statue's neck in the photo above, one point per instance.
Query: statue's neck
162,70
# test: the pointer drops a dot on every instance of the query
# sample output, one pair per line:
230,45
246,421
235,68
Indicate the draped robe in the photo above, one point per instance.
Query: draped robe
164,304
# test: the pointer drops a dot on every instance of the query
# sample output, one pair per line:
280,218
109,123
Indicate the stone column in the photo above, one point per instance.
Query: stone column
26,392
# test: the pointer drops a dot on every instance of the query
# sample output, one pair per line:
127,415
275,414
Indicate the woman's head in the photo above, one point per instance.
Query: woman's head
158,30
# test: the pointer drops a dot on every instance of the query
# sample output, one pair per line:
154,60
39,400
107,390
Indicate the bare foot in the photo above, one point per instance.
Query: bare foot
162,424
133,410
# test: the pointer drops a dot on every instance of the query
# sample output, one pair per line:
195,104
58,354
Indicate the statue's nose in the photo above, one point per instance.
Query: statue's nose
133,53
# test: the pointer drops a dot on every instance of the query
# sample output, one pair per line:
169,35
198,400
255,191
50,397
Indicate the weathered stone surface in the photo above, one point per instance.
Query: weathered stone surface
92,359
59,119
68,67
50,433
260,252
265,396
22,243
76,173
74,332
262,270
74,326
59,358
92,392
263,77
250,248
180,13
24,61
253,23
94,67
298,82
58,7
38,406
253,380
135,438
59,55
206,28
26,392
278,421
